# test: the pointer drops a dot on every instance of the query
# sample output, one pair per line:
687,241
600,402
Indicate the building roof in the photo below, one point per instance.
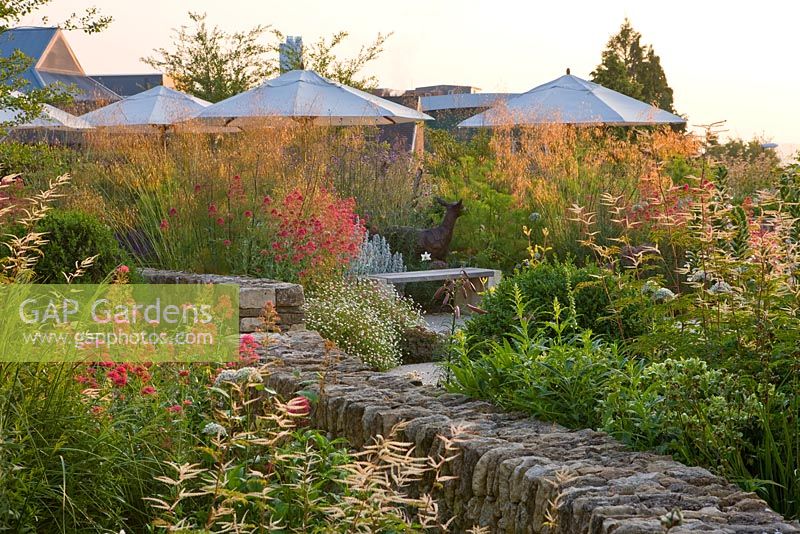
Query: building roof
132,84
463,100
30,41
53,62
444,89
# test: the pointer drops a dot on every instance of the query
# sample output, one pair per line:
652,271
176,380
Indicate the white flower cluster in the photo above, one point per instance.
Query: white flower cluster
215,429
698,276
238,376
720,288
376,257
363,318
657,293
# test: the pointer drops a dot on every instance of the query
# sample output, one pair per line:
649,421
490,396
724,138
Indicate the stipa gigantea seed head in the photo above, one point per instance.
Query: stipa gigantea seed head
25,251
80,268
560,479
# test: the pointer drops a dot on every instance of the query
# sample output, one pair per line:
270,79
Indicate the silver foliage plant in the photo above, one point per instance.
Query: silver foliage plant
376,257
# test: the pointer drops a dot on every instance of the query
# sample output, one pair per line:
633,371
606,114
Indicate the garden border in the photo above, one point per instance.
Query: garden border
513,468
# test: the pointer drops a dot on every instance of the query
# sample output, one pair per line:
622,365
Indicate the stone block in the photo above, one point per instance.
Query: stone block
255,297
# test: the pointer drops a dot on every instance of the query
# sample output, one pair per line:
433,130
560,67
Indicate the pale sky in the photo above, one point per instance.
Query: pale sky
724,60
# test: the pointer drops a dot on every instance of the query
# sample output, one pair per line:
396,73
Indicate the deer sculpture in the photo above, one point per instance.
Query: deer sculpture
434,241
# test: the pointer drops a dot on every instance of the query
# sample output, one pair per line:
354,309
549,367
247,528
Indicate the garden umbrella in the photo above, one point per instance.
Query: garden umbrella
51,117
572,100
159,106
306,96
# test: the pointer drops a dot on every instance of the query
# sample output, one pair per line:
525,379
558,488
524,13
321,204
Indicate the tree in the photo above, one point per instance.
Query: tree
12,83
320,58
633,69
213,64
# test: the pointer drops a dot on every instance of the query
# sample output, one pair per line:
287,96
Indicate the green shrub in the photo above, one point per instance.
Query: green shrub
682,407
72,237
550,374
37,163
363,318
539,285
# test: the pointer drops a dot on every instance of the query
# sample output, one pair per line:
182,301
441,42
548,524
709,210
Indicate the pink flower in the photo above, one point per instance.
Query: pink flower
173,212
212,209
164,224
299,406
220,221
148,390
227,242
248,214
175,408
267,200
123,269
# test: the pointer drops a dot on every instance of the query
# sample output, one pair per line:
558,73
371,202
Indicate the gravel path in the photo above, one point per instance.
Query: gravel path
428,374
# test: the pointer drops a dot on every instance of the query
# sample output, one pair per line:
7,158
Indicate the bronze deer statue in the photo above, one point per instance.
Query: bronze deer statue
434,241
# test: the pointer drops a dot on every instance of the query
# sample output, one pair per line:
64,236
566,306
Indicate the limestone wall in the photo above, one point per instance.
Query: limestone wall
517,474
254,293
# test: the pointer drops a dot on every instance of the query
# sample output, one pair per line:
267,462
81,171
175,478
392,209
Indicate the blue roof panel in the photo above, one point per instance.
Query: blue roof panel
87,88
30,41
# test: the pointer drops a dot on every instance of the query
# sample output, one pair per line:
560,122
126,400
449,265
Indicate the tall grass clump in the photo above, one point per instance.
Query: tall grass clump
228,204
533,176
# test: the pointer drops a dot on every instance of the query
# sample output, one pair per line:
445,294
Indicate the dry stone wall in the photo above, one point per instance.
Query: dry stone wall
254,293
516,474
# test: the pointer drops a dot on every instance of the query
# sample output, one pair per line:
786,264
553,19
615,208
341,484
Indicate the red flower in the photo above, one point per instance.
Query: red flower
173,212
227,242
197,188
119,378
123,269
220,221
148,390
212,209
267,200
183,372
164,224
175,408
248,214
